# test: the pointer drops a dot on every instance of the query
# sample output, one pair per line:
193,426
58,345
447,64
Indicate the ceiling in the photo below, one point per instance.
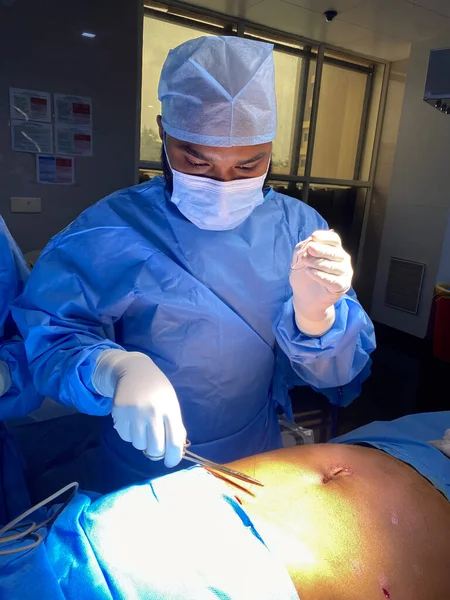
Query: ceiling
378,28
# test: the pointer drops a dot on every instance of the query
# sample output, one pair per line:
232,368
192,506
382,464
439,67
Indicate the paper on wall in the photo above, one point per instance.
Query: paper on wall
55,169
29,105
73,140
73,110
32,137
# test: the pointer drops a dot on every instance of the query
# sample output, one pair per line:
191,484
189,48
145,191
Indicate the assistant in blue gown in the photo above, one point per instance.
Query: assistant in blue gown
20,396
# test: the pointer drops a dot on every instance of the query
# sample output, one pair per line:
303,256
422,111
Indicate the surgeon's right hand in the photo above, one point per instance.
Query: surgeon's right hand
146,411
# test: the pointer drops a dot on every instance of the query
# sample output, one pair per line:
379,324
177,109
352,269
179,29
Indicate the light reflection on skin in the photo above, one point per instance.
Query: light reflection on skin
300,519
327,511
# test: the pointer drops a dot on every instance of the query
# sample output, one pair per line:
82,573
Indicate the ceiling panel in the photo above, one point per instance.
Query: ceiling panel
380,46
232,8
378,28
397,18
320,6
301,21
441,7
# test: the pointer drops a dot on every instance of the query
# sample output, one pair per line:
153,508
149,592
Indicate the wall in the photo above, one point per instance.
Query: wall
41,48
419,195
367,267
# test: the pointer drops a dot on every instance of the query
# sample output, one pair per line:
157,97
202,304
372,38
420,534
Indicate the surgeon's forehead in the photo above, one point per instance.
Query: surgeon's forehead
214,153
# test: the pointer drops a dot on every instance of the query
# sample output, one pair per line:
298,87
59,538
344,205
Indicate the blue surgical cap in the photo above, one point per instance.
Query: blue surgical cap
219,91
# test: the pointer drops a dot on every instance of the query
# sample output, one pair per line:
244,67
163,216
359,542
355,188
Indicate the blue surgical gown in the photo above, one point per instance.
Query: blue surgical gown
21,397
213,310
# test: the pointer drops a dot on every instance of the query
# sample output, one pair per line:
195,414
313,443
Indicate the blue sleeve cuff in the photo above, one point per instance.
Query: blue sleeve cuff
77,389
344,395
335,358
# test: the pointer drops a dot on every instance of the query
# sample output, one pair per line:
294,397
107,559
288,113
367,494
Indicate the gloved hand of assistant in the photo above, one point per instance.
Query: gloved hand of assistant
444,444
321,273
5,378
146,411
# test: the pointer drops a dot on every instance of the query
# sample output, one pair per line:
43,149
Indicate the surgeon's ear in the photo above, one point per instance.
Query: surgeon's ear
160,127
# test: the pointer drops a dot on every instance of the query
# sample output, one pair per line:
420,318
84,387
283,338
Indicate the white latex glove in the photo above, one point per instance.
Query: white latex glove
5,378
444,444
146,410
321,273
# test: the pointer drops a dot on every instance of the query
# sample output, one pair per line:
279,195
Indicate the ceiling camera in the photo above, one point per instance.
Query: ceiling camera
330,15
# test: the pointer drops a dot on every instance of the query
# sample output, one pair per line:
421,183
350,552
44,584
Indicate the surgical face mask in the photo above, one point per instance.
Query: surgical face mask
216,205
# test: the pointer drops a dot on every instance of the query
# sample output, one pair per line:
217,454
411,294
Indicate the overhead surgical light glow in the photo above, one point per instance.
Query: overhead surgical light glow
88,35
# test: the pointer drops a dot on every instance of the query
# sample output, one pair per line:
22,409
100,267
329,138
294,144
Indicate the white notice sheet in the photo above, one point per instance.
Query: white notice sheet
73,110
73,140
29,105
28,136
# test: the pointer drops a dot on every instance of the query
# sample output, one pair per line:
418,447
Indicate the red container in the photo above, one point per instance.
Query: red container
441,333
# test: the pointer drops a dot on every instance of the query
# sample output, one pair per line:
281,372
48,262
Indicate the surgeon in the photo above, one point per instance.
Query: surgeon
190,304
17,393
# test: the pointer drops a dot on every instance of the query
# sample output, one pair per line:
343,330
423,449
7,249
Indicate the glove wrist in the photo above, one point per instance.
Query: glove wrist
315,322
107,371
5,378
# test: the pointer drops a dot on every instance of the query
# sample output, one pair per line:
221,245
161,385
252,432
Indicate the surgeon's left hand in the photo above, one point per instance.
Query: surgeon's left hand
321,273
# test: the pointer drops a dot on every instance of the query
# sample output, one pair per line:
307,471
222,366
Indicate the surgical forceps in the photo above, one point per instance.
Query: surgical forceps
199,460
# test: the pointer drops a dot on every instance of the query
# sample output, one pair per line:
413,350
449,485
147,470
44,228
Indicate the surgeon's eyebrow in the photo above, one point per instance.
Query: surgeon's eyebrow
255,158
195,153
241,163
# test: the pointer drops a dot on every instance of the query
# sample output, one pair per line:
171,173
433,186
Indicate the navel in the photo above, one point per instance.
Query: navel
336,472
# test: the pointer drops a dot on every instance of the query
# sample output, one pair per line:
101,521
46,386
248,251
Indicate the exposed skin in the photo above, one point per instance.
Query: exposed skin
221,164
350,522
